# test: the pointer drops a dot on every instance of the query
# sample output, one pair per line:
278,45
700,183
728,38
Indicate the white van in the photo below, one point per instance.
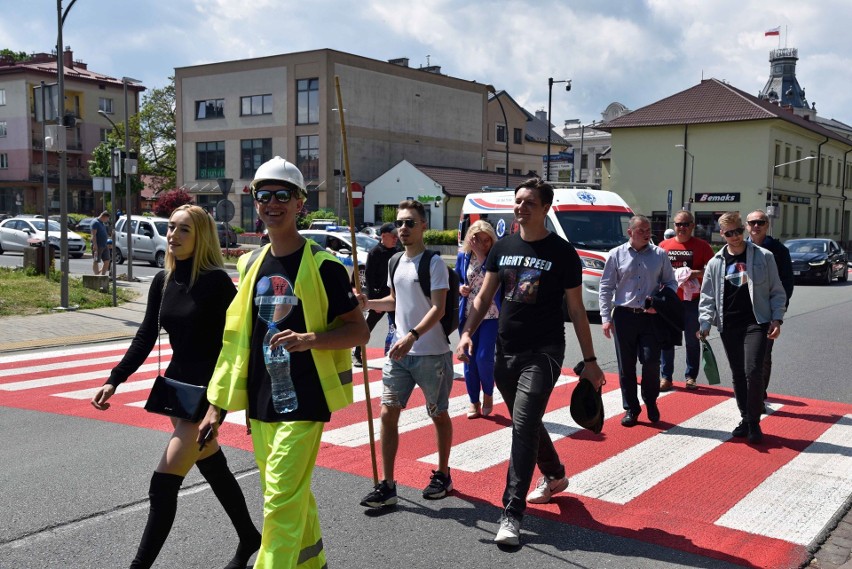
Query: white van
149,239
593,220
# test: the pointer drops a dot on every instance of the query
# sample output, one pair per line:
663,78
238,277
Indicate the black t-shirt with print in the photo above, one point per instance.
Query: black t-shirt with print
534,276
281,273
738,309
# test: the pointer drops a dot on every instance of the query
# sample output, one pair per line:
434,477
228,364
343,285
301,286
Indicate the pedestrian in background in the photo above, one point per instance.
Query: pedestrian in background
758,229
743,297
470,267
101,252
189,300
376,275
296,286
536,269
634,272
420,355
688,256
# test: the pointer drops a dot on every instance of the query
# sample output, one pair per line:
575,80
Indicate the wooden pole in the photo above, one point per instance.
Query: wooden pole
357,279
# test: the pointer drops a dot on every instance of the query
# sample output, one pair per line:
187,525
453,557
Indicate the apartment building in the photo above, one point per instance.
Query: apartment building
21,137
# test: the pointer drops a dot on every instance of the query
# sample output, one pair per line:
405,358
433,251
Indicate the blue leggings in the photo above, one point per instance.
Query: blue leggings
479,371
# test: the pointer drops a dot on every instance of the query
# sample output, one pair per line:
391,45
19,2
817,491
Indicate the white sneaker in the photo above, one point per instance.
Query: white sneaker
509,532
545,488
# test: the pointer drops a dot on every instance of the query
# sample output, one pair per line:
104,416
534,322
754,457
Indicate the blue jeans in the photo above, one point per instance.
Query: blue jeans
693,347
479,370
526,381
433,374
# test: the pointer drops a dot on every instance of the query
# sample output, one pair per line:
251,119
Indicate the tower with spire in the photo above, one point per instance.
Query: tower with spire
783,87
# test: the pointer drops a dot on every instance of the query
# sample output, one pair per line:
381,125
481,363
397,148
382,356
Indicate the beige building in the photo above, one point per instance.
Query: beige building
233,116
716,148
21,136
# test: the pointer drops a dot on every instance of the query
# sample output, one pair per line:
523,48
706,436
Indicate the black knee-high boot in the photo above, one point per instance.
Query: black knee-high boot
226,488
161,515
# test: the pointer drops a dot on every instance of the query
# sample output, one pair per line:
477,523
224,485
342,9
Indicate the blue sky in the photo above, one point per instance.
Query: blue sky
633,52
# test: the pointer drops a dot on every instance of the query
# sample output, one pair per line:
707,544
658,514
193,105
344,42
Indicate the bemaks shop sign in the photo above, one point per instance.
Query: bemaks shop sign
718,197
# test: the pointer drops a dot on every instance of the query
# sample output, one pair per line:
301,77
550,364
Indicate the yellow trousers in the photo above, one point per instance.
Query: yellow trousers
286,454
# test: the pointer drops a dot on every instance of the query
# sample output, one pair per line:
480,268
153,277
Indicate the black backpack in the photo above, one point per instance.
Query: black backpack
450,319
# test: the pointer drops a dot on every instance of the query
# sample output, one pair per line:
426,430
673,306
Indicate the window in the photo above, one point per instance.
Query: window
516,171
307,159
501,133
811,170
519,136
4,161
2,97
798,164
500,170
210,160
787,160
105,105
104,134
253,153
307,105
828,178
2,129
210,109
256,105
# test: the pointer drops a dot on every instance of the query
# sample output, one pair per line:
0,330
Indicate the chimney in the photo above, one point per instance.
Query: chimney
68,57
436,69
401,61
541,115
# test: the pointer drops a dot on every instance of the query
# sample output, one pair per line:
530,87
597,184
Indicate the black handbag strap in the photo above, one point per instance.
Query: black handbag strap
159,325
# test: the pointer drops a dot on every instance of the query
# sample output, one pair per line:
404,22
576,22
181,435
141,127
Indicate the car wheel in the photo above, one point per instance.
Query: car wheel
828,275
77,255
1,249
160,259
119,258
844,276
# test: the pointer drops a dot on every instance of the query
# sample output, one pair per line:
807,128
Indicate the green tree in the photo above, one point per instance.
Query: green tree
155,125
7,53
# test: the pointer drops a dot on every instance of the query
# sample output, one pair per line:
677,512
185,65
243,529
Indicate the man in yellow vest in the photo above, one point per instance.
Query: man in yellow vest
301,293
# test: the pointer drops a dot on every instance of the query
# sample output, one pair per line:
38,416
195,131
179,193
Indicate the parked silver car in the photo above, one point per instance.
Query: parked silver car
148,237
16,233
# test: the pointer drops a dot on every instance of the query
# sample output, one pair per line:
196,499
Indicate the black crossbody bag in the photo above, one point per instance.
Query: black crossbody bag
172,397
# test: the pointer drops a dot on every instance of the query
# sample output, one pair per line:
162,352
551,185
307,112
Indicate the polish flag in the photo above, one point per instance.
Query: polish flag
773,32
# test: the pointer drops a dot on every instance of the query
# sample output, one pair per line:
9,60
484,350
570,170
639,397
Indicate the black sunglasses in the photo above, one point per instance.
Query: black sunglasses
683,224
734,232
760,222
409,223
264,196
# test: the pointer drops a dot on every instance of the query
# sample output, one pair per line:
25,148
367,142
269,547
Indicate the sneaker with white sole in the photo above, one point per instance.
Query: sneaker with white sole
545,488
381,496
509,532
440,485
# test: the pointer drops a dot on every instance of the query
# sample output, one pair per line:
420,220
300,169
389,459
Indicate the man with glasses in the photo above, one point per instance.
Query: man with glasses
297,287
633,273
688,256
419,356
743,297
758,229
536,269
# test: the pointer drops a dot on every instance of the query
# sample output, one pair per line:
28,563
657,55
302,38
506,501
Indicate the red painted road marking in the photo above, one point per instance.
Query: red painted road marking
692,505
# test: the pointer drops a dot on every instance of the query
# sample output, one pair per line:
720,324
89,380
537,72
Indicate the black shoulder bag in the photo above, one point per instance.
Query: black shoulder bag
172,397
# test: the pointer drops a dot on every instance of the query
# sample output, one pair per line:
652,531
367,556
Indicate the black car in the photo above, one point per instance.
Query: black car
227,235
818,260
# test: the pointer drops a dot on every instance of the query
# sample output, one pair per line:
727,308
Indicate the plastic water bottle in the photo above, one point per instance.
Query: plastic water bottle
389,337
278,365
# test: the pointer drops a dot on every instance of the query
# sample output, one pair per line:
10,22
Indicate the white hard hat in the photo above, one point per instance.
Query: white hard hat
279,171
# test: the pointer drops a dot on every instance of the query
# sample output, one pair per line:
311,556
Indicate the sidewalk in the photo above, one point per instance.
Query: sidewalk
66,328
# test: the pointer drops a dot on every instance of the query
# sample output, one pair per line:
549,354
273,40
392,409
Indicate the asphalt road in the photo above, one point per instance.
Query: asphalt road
75,490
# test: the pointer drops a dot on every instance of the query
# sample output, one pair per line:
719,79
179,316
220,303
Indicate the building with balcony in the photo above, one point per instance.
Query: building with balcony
22,137
233,116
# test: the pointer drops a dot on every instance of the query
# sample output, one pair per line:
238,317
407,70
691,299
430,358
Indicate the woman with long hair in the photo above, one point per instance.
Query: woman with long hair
470,267
189,300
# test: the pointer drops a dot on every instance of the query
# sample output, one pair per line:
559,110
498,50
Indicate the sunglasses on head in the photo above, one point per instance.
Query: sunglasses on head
760,222
734,232
409,223
264,196
683,224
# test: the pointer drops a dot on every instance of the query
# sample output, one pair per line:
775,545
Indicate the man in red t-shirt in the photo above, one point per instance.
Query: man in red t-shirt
688,256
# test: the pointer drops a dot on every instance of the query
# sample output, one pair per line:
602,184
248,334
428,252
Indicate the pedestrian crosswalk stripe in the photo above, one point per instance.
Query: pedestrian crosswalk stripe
800,498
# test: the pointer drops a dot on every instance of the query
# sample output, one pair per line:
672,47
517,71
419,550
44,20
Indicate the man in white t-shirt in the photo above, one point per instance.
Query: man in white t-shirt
419,356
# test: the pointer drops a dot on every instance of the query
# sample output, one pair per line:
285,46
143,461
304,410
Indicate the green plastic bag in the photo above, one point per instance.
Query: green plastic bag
711,369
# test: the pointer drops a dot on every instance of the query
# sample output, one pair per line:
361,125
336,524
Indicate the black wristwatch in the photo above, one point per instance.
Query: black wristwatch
590,360
414,333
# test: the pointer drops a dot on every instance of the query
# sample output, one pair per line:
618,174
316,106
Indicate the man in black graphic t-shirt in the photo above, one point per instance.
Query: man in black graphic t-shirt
536,269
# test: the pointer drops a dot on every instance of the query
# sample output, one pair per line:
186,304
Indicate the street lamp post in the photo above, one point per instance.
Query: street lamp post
550,83
127,161
771,197
114,174
688,205
505,122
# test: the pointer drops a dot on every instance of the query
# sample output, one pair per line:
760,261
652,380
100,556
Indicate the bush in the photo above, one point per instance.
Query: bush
169,201
438,237
305,221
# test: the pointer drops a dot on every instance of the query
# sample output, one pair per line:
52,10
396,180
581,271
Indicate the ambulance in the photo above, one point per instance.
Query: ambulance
592,220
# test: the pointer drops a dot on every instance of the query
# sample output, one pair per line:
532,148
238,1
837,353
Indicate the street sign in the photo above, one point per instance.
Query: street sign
224,210
357,193
225,187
